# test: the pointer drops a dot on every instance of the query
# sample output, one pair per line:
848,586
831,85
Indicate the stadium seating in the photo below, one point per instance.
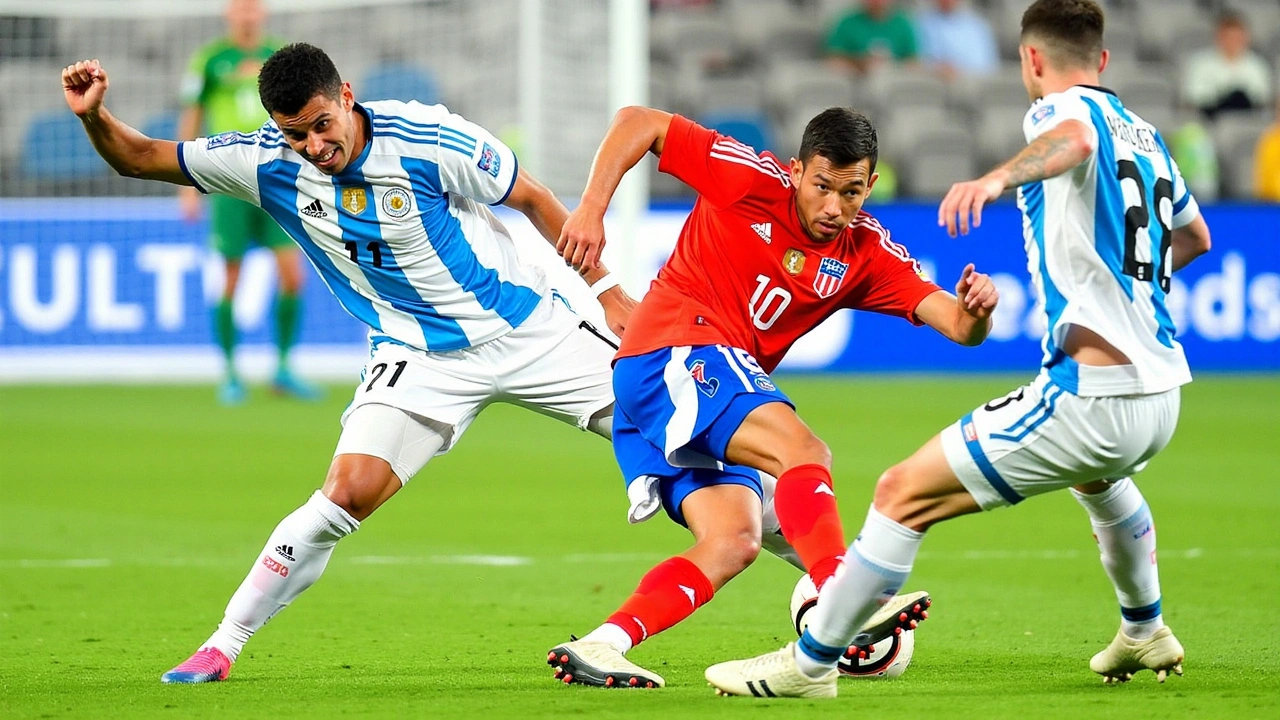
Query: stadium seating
55,148
747,127
400,82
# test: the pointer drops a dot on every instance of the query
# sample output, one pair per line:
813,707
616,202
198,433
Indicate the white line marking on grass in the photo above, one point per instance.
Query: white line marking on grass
490,560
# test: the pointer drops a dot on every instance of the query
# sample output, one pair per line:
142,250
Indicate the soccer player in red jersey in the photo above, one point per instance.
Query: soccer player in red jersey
767,254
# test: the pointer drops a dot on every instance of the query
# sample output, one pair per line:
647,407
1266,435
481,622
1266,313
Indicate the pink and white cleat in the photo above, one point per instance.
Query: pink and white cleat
207,665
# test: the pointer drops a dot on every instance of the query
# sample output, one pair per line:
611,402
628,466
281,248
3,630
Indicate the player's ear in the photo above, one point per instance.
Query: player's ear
871,182
347,97
797,172
1103,60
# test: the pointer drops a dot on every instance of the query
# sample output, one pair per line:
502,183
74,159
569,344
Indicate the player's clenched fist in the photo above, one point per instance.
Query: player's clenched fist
582,238
84,85
976,293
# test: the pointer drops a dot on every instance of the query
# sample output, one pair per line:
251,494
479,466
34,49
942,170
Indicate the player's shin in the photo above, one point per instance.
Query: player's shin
293,559
1126,536
806,506
667,594
876,566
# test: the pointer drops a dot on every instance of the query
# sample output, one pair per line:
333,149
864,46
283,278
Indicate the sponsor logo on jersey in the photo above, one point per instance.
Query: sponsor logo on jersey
490,161
227,138
764,230
707,386
971,434
830,277
354,200
396,203
1043,114
793,261
764,383
315,210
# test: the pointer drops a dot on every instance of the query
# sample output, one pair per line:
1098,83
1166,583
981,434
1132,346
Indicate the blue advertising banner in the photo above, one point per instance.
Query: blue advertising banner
115,276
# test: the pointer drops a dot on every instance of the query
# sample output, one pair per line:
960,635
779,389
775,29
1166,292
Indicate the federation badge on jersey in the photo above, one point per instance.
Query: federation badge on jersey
227,138
830,277
490,161
1043,114
396,203
793,261
354,200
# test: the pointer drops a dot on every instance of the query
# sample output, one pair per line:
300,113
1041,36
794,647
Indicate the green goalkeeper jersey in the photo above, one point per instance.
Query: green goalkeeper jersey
223,80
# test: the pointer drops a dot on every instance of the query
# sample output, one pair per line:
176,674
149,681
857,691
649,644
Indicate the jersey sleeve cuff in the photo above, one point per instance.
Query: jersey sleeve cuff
515,175
182,164
1185,212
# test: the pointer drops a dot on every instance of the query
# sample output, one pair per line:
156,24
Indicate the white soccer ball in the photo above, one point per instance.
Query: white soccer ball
889,658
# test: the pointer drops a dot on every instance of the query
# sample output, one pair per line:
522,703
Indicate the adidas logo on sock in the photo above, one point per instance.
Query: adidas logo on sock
314,210
286,552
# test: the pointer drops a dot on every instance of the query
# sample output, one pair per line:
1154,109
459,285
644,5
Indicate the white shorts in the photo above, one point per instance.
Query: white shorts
553,364
1041,438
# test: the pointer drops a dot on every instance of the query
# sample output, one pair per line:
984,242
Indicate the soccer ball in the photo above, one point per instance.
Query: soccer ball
889,658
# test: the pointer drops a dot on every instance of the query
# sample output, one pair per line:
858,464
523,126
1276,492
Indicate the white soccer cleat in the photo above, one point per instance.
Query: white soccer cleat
770,676
599,664
1125,656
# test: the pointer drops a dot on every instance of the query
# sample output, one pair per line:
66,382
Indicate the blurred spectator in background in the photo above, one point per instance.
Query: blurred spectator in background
955,40
1266,166
220,94
1228,76
877,34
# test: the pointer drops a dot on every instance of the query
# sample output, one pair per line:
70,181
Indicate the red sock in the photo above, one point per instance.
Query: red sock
806,507
667,594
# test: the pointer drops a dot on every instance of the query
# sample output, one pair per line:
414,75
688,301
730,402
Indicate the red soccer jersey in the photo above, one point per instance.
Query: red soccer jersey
745,273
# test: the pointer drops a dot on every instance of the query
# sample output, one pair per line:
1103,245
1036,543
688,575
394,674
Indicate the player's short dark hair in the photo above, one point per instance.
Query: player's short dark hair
1071,29
1229,18
841,135
293,75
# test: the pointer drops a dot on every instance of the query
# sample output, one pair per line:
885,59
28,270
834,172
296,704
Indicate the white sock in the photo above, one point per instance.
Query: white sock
876,566
611,634
1126,537
293,559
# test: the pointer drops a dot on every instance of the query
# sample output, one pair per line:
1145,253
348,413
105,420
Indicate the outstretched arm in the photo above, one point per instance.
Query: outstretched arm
548,215
1052,154
965,317
634,132
126,150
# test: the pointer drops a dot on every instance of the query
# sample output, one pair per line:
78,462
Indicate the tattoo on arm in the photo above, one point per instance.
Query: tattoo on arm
1047,156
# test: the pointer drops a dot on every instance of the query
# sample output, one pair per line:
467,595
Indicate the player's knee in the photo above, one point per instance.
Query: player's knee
810,450
735,551
360,487
895,495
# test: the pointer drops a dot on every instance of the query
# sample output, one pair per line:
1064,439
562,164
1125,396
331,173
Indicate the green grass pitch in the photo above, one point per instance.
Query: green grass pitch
128,515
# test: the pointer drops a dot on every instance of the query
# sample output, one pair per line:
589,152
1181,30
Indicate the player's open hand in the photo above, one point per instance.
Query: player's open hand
965,200
618,306
582,238
84,85
976,293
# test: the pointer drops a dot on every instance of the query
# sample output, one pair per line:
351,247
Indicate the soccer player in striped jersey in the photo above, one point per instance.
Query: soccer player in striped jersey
1107,220
768,252
389,201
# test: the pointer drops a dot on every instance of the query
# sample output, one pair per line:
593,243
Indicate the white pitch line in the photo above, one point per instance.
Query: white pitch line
609,558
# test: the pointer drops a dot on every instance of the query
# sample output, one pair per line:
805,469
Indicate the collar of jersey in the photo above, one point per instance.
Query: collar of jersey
352,170
1099,88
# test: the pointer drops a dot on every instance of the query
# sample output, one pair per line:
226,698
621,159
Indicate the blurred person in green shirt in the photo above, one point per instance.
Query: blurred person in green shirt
878,33
220,94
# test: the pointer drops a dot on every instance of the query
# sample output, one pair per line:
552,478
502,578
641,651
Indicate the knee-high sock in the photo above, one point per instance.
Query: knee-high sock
1126,537
288,318
667,594
806,506
876,566
224,330
293,559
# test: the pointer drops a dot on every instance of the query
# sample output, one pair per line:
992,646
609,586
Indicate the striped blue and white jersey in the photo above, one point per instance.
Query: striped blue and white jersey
1098,243
403,236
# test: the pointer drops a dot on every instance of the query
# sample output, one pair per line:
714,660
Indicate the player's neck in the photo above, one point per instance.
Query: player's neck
1061,82
247,40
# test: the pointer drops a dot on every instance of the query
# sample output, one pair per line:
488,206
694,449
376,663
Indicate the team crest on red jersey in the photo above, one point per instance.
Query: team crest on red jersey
830,277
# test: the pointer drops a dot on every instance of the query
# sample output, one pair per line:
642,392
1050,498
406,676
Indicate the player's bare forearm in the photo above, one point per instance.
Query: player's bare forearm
1190,242
634,132
129,152
547,214
969,330
1050,155
963,318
